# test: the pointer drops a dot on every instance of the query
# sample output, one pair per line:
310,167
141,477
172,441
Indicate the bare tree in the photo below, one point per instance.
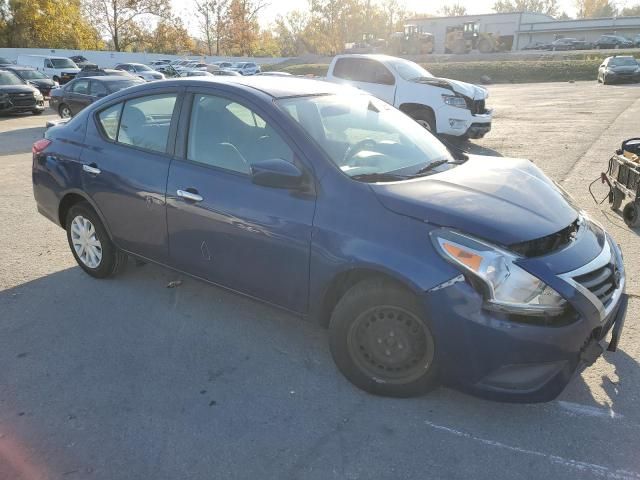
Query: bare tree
120,18
213,15
454,10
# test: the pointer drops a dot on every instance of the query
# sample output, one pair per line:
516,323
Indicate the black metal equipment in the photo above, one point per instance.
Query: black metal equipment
623,178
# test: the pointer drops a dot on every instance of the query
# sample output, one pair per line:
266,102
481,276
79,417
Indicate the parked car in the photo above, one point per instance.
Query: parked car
442,106
612,41
476,271
636,40
195,73
619,69
223,64
224,72
102,72
245,68
17,96
60,69
536,46
159,63
35,78
82,61
82,92
5,61
564,44
139,70
275,74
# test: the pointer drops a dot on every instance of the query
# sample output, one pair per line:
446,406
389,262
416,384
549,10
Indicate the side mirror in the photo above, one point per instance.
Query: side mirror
277,173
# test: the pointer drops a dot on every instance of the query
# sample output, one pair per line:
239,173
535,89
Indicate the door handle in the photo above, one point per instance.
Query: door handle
187,195
92,169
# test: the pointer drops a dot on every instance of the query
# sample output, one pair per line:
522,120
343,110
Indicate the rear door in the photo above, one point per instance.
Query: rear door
126,168
367,74
224,228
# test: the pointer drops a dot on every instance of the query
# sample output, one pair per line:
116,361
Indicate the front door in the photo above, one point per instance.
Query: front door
224,228
125,170
78,95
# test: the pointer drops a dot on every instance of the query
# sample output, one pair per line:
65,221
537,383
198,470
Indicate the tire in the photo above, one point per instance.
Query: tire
604,80
381,342
64,111
79,233
616,196
631,215
424,118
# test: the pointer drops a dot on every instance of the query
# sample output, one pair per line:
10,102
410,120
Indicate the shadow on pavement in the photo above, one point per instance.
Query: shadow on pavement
19,141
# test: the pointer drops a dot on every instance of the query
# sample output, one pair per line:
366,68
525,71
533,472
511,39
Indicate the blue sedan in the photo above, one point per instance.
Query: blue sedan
428,266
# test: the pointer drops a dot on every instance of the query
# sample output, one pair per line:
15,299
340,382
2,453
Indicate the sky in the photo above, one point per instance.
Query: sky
280,7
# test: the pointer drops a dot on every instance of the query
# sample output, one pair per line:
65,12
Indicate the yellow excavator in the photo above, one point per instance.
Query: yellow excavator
412,41
466,37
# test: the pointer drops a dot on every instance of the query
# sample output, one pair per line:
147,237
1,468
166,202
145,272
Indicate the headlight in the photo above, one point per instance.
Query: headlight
454,101
38,95
505,285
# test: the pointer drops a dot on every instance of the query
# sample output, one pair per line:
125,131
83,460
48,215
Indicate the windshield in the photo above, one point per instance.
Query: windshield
63,63
32,74
8,78
142,68
624,62
409,70
365,136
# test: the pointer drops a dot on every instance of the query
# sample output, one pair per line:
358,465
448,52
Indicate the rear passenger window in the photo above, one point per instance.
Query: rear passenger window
109,119
145,122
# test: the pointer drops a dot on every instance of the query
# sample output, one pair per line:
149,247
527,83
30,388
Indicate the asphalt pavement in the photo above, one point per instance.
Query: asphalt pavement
128,379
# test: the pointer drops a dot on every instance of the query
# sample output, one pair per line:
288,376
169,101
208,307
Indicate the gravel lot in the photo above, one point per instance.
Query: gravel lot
127,379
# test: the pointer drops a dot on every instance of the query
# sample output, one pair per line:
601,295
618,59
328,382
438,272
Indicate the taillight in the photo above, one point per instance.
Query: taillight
40,145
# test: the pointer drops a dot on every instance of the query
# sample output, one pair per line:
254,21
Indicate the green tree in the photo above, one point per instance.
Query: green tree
633,11
121,19
290,33
548,7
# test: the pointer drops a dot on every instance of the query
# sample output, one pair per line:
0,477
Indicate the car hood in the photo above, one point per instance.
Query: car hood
469,90
43,82
17,89
505,201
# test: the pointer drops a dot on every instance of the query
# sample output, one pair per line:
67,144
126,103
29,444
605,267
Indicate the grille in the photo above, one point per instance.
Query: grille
21,100
601,282
548,244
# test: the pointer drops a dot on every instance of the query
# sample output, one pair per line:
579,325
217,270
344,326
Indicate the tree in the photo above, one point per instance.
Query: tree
290,33
595,8
630,11
213,19
120,18
454,10
242,26
28,24
170,36
548,7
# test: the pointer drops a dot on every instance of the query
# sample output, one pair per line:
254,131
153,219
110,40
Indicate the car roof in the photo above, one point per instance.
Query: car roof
111,78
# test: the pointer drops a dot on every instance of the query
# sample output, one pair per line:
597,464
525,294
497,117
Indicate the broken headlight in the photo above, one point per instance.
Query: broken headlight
505,286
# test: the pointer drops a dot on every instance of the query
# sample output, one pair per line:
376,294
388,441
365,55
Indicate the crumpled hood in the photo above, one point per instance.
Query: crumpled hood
503,200
474,92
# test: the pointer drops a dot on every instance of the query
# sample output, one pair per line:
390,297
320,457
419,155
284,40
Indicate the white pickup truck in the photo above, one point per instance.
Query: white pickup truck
441,105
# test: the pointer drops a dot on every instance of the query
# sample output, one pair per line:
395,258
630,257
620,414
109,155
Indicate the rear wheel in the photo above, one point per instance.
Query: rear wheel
616,196
90,243
64,111
381,341
631,215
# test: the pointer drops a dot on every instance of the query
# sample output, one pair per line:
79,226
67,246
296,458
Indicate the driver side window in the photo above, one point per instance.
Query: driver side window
228,135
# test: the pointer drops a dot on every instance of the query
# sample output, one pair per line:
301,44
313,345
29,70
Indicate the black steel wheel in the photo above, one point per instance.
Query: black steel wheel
631,215
381,341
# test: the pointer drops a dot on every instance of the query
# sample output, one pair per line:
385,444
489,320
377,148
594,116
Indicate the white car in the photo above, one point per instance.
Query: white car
139,70
60,69
441,105
246,68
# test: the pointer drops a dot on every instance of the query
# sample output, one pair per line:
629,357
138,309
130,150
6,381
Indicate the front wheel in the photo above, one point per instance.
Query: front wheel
64,111
381,341
425,118
90,243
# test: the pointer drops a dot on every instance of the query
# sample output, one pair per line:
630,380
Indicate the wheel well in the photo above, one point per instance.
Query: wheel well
342,283
411,108
67,202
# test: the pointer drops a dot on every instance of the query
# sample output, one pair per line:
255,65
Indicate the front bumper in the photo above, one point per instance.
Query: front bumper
9,107
460,122
619,77
488,354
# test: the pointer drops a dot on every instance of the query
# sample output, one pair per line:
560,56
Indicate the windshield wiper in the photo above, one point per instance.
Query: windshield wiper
428,168
379,177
